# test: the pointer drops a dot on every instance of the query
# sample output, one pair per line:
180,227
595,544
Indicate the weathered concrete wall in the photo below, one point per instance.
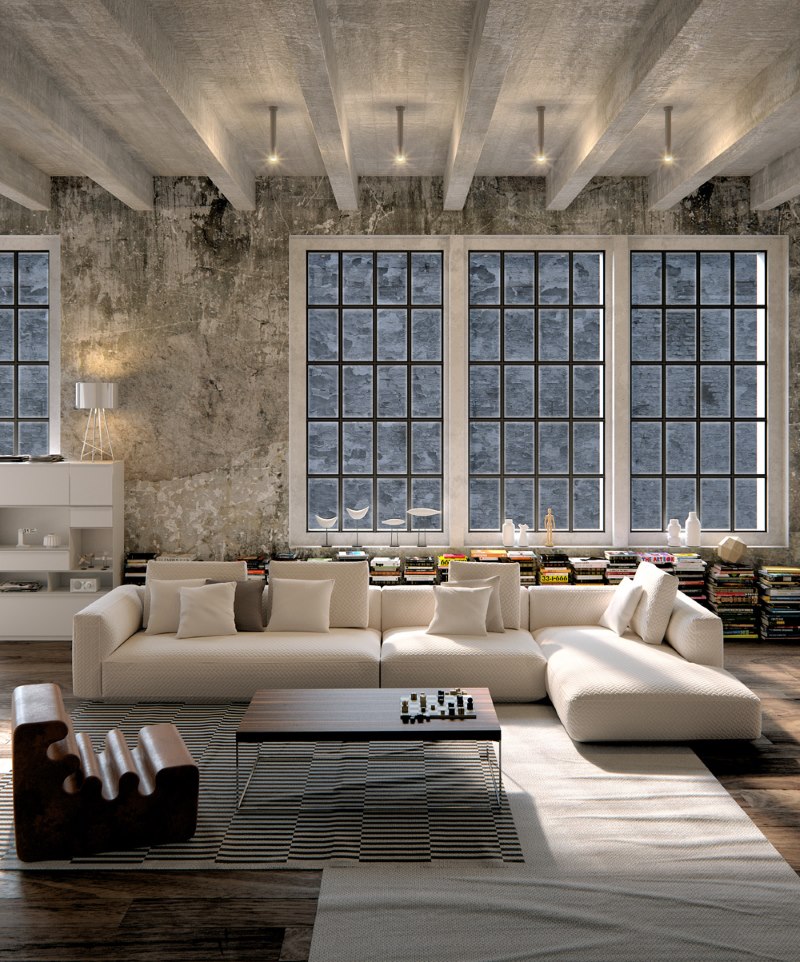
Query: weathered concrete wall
187,308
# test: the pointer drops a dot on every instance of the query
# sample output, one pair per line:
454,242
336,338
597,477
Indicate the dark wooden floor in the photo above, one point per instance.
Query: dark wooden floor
229,915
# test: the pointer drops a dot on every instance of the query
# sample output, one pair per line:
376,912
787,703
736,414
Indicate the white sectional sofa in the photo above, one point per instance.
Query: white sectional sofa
603,686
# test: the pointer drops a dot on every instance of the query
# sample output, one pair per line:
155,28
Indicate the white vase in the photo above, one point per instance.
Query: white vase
674,533
692,530
508,533
523,536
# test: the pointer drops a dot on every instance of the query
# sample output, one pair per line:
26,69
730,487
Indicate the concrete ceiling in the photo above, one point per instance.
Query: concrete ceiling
122,90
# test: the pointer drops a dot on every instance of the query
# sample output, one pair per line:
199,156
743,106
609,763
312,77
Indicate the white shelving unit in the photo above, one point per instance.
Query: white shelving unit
81,503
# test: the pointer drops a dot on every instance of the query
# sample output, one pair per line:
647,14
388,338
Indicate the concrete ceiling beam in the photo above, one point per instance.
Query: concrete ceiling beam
306,29
22,182
45,114
773,95
132,27
779,181
494,38
649,66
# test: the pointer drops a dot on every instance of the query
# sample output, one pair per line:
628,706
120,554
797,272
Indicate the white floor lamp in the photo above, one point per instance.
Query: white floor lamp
96,397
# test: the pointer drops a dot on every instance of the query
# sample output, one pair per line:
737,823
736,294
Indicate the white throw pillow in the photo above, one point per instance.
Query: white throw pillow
163,604
652,614
494,613
207,610
618,615
299,605
459,611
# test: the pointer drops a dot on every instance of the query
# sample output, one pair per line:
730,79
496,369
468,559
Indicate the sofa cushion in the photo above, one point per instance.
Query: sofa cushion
163,599
607,688
300,605
460,571
190,570
510,665
247,601
459,610
652,614
350,598
620,610
494,613
207,610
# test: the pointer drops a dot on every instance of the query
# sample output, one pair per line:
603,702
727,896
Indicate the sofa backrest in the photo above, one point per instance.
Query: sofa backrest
412,606
179,570
552,605
375,607
509,583
350,598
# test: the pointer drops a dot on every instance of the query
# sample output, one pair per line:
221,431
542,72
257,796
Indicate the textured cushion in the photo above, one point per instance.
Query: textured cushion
510,665
607,688
494,613
247,604
461,571
207,610
350,599
190,571
620,610
459,611
300,605
652,614
164,601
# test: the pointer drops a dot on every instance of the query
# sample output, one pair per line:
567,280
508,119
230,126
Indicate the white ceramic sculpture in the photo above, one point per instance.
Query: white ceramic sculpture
731,550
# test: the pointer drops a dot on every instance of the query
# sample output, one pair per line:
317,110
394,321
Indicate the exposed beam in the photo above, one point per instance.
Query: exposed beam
779,181
133,28
771,96
672,34
41,107
307,32
22,182
492,44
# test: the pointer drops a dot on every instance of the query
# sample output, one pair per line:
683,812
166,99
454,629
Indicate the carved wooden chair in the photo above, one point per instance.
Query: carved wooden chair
69,801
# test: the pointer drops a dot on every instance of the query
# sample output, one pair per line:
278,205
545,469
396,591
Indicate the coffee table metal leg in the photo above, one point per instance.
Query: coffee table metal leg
240,798
497,783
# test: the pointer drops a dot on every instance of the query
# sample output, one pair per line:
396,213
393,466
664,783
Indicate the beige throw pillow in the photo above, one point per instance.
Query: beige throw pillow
162,602
299,605
207,610
618,615
494,613
652,614
459,611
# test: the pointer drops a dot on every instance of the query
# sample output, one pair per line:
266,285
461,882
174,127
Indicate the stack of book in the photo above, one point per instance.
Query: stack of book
136,566
690,570
420,569
12,586
621,564
385,571
554,568
588,571
528,564
351,554
733,595
780,603
443,563
664,560
257,566
489,554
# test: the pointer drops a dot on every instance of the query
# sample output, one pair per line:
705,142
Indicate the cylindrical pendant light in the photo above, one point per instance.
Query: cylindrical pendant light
541,157
667,158
400,156
273,135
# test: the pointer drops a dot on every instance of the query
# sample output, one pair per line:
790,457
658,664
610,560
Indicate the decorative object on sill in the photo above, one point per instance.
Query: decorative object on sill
523,536
21,532
549,527
327,524
692,530
89,585
422,539
51,541
394,536
731,550
357,514
86,561
97,397
46,458
508,533
674,533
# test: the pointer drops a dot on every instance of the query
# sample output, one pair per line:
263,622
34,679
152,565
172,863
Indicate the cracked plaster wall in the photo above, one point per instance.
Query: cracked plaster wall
187,308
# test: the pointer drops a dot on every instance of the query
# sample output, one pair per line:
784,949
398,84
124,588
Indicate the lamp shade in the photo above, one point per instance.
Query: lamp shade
95,394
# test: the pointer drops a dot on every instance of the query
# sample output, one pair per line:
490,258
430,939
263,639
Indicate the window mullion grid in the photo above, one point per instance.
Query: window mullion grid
501,364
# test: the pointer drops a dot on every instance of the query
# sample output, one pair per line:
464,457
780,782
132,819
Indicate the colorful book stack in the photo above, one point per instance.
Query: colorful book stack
588,571
780,603
420,569
528,564
489,554
664,560
733,595
257,565
136,566
443,563
385,571
621,564
690,570
554,568
351,554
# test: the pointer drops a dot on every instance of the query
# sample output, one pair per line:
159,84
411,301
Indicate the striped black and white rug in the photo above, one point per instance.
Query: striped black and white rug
308,804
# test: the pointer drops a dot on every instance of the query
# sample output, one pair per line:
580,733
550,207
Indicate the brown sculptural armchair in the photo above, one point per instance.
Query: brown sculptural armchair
69,801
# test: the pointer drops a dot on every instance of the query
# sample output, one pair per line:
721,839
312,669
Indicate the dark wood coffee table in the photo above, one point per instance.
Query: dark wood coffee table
358,715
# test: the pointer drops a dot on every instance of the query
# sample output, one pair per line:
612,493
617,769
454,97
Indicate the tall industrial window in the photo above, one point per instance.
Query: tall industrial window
536,386
25,337
374,407
698,389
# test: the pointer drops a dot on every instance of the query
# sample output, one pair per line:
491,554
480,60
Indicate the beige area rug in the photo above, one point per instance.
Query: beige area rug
631,853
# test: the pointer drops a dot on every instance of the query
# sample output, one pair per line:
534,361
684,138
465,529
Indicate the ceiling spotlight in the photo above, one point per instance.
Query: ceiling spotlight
541,157
667,158
400,156
273,135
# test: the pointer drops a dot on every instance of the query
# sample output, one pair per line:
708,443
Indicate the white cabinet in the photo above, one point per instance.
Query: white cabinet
82,504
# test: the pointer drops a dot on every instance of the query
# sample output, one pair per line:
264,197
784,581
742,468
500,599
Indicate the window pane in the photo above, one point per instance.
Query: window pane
356,335
484,335
748,335
645,335
426,447
426,392
357,391
426,335
586,504
426,278
484,447
392,388
749,271
356,278
32,391
518,336
715,335
586,285
680,336
715,278
681,278
33,278
553,335
6,438
554,493
484,278
554,447
426,493
34,437
715,503
586,328
586,400
484,391
554,278
749,395
357,495
392,274
357,447
392,447
7,289
646,511
749,511
518,448
519,503
681,497
646,447
518,400
645,392
6,335
392,335
715,392
553,392
587,447
681,447
323,278
519,278
33,335
323,501
7,380
484,504
715,447
747,447
323,391
323,335
323,447
645,278
392,502
681,400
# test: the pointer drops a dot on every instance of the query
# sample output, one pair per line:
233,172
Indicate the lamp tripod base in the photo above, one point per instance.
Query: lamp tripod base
96,439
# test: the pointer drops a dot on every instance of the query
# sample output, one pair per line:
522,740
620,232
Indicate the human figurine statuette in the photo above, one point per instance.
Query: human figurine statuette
549,526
